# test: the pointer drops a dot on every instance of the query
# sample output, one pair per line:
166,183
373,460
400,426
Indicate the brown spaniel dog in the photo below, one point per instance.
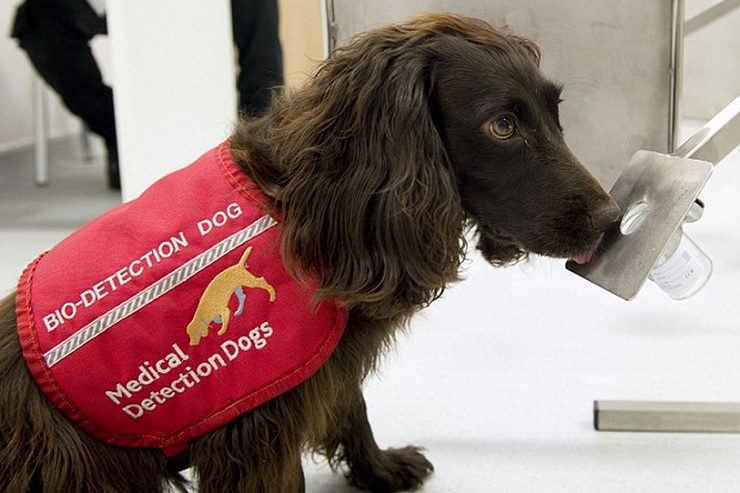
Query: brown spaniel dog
404,141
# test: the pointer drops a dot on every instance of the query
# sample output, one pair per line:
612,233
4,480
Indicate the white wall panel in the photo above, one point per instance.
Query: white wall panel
174,84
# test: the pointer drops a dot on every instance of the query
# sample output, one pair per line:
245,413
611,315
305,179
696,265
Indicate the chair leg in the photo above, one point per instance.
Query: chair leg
40,134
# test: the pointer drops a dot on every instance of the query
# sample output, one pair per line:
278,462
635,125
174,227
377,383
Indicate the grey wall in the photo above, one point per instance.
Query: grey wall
613,57
711,63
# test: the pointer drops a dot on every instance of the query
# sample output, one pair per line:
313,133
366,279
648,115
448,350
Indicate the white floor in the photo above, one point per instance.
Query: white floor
497,379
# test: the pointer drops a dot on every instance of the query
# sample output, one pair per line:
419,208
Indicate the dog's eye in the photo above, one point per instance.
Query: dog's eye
502,126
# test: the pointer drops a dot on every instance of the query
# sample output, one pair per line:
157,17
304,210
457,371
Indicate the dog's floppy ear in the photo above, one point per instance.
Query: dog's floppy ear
370,202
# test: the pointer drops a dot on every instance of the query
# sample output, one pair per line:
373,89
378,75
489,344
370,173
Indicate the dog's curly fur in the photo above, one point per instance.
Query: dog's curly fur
404,139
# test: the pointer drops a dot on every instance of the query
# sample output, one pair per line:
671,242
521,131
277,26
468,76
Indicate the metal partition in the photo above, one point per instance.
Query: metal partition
617,61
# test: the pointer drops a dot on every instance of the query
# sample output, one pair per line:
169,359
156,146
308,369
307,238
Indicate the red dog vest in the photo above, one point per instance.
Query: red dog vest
172,314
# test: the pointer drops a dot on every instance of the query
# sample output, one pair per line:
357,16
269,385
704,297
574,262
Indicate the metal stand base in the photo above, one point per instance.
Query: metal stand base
645,416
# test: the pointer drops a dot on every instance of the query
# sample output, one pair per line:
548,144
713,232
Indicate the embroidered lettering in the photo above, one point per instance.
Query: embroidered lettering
148,373
115,281
117,395
231,349
219,219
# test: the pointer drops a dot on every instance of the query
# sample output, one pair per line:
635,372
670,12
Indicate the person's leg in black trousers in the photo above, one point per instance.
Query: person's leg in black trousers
62,56
255,25
69,68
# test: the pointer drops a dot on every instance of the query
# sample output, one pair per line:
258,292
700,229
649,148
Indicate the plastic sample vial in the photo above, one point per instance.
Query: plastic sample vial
682,268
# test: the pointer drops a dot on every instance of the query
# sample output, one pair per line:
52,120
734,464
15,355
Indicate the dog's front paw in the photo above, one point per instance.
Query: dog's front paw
403,469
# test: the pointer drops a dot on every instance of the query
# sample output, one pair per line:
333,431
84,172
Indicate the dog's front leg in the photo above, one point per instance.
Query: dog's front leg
370,468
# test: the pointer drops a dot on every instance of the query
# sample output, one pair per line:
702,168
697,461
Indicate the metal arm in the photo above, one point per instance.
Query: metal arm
717,138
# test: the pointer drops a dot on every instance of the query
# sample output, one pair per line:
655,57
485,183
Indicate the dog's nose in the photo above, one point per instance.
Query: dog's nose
604,215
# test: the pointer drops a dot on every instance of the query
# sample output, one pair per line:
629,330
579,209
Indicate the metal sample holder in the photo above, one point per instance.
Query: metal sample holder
666,186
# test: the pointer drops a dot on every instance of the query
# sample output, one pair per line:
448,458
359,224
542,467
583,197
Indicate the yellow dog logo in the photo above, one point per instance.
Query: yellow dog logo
214,304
